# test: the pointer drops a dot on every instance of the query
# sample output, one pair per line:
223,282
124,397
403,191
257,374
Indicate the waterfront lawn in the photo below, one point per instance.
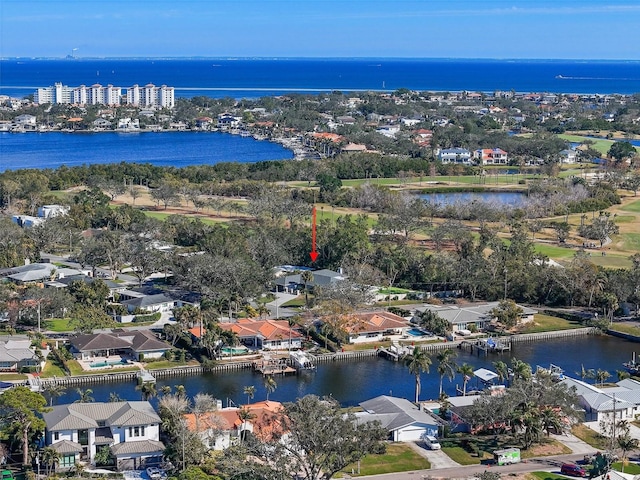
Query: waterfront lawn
52,369
356,347
628,328
600,144
589,436
5,377
398,457
548,323
168,364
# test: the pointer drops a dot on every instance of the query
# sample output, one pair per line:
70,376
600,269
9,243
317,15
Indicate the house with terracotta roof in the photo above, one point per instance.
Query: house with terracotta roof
265,334
223,427
373,326
131,431
491,156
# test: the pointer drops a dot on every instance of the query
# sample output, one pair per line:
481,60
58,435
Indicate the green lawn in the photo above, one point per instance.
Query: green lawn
393,290
167,364
631,468
631,241
398,458
626,218
548,476
554,251
5,377
163,216
626,328
460,455
547,323
52,370
632,207
611,261
58,325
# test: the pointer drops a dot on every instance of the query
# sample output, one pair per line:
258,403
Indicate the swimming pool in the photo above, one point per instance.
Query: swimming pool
414,332
235,350
107,364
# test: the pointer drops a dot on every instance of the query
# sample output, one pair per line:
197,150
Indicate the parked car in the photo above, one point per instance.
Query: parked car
431,442
154,473
573,470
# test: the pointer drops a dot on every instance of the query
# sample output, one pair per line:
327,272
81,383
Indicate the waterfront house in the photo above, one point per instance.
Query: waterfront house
136,344
223,427
460,156
473,316
372,326
403,420
265,334
600,403
131,431
18,354
568,156
491,156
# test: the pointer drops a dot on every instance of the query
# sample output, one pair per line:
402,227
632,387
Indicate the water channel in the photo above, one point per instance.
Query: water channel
354,381
451,198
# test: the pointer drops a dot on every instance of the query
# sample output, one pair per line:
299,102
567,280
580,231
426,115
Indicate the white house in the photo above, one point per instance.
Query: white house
491,156
131,431
568,156
50,211
404,421
454,155
623,400
373,326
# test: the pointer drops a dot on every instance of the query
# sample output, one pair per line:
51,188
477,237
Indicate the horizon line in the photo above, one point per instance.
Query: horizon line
279,57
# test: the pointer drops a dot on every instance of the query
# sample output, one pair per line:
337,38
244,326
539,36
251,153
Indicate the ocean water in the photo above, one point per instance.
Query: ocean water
252,78
178,149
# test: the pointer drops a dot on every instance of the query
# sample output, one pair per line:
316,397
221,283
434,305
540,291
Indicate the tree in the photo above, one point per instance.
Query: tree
19,410
434,323
562,230
245,416
50,458
466,371
84,395
502,370
507,313
53,390
621,150
321,440
148,390
270,385
446,365
250,392
626,443
418,362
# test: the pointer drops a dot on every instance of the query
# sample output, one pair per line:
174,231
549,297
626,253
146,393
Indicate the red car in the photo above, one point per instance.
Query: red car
573,470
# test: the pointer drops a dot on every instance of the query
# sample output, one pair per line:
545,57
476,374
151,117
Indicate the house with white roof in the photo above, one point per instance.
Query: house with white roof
600,403
17,354
130,430
460,156
404,421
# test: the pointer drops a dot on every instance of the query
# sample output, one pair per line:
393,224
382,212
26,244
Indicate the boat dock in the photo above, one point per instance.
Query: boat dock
485,345
301,360
273,366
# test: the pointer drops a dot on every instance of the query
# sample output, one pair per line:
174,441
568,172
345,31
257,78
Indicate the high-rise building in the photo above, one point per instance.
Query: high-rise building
57,93
151,96
148,96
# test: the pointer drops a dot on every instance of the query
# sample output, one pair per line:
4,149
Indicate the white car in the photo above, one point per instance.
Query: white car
431,442
154,473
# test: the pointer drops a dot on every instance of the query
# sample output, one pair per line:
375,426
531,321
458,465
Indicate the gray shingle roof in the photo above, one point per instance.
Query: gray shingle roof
394,412
76,416
137,340
148,300
67,446
143,446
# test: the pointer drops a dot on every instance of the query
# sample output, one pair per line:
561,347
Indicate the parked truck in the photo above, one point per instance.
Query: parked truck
506,456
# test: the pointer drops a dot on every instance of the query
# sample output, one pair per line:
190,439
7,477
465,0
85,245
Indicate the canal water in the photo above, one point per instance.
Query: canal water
451,198
353,381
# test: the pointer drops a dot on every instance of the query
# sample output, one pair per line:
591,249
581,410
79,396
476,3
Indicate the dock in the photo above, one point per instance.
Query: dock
144,376
273,366
301,360
485,345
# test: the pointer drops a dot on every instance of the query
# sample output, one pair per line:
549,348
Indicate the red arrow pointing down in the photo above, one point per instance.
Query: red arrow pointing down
313,254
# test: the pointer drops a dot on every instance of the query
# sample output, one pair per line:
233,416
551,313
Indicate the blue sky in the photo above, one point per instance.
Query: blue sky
585,29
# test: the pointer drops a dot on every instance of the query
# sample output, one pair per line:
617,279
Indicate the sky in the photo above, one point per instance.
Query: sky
546,29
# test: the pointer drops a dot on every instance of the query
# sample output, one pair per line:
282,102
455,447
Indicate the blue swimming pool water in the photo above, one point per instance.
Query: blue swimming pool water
415,332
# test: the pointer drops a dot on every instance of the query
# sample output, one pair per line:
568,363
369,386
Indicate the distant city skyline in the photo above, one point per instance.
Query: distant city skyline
519,29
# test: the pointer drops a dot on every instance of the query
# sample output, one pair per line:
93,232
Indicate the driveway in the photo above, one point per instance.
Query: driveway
437,458
275,309
574,443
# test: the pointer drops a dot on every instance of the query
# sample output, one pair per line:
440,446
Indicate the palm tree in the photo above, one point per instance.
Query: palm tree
114,397
521,370
502,370
50,457
53,390
446,365
250,392
85,396
148,390
466,371
627,443
270,385
551,420
602,376
244,415
418,362
165,389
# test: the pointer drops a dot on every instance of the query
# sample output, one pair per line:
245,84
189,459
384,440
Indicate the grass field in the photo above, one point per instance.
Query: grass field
632,207
58,325
589,436
601,145
554,251
398,458
460,455
631,468
547,323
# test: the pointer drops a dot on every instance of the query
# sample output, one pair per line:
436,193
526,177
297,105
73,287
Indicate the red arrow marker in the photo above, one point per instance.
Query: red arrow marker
313,254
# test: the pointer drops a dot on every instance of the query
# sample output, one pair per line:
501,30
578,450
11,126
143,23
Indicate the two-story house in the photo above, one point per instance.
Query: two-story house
131,431
491,156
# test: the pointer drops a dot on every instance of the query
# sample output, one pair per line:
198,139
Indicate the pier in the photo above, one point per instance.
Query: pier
486,346
301,360
273,366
